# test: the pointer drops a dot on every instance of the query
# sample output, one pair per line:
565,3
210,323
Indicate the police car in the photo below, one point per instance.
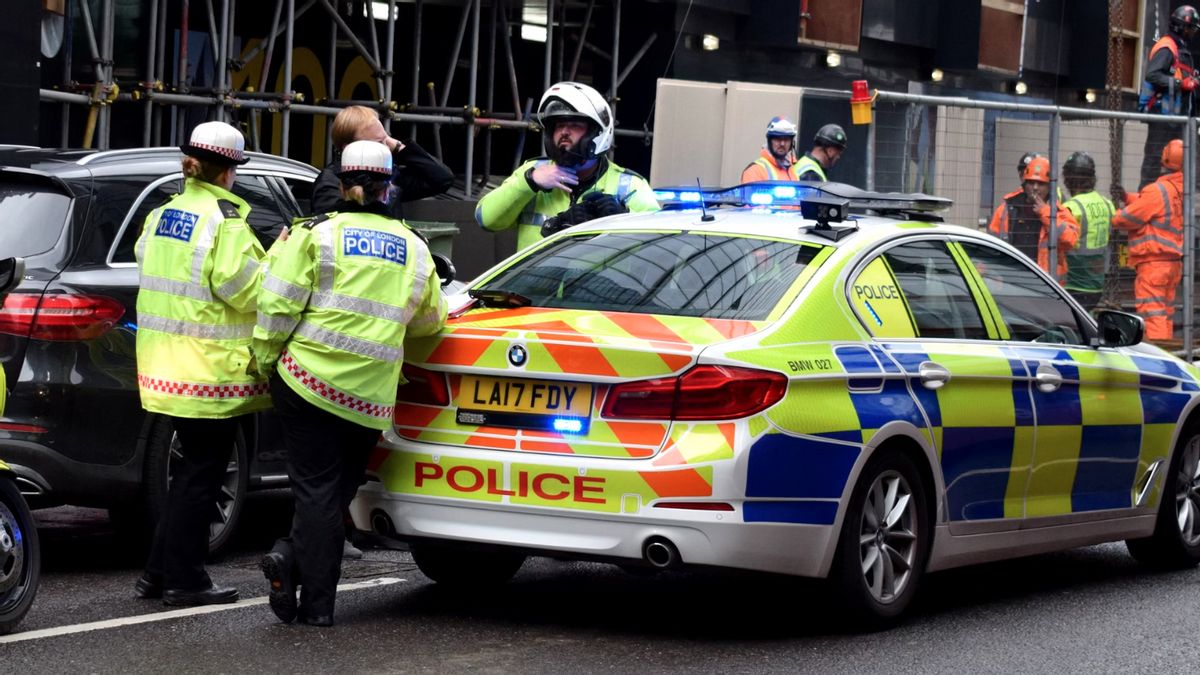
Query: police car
802,379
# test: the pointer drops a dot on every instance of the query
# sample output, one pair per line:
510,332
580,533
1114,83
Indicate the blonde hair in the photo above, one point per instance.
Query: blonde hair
375,192
199,169
347,123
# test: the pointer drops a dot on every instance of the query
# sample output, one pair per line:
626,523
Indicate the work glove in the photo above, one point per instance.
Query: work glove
573,215
1188,84
1118,195
600,204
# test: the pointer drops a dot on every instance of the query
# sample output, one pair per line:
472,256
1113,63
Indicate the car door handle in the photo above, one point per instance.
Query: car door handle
1048,378
933,375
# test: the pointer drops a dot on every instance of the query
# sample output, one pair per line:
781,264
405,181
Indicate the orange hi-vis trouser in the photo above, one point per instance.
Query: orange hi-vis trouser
1154,292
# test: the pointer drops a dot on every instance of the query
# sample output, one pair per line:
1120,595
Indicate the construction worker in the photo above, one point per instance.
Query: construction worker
200,268
1023,220
575,182
828,146
1170,85
1154,219
418,174
1087,263
775,160
342,294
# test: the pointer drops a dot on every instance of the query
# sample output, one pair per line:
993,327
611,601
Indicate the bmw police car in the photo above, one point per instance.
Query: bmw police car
813,381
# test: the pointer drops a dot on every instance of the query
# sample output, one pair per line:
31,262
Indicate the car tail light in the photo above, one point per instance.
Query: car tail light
702,393
59,316
423,386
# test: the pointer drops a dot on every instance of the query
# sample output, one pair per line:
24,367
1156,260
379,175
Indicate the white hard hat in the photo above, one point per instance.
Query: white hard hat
781,127
216,142
572,100
366,157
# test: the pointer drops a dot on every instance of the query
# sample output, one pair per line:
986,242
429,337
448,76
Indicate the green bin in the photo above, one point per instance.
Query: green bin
440,235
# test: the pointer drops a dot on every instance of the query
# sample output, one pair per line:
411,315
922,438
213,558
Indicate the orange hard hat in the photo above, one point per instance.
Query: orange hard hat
1172,157
1038,169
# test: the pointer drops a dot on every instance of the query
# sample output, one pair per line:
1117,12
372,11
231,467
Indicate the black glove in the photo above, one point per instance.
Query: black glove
573,215
600,204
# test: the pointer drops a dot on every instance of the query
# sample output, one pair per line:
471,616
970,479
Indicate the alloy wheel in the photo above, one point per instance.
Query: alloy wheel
1187,493
888,537
12,550
226,498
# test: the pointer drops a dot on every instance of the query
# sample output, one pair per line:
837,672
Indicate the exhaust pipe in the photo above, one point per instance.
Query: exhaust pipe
660,553
381,524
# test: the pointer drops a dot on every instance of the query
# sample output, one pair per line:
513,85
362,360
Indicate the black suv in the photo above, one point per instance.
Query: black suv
74,430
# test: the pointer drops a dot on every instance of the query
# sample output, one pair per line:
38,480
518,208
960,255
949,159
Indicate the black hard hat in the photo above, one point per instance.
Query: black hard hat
830,135
1025,160
1079,163
1185,16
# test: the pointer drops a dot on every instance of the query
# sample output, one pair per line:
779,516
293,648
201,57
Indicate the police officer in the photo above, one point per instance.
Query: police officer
341,295
828,146
575,182
200,270
775,160
1087,263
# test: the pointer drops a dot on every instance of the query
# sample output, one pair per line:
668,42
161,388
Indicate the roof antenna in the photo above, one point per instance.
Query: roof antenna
706,217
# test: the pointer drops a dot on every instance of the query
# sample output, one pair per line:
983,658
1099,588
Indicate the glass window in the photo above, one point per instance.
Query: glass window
33,216
267,217
164,191
880,305
936,291
1030,306
680,273
301,192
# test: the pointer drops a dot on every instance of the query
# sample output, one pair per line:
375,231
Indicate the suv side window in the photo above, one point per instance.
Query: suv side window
267,217
1031,307
938,297
301,191
123,252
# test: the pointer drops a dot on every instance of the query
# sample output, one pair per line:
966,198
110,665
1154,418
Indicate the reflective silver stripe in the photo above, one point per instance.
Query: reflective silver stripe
1166,243
418,288
1153,298
1156,312
1125,215
142,238
197,330
284,288
379,310
1166,207
325,269
203,246
623,184
239,280
174,287
277,324
349,343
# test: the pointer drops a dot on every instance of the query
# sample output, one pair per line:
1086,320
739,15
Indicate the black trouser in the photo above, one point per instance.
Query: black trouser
326,458
181,540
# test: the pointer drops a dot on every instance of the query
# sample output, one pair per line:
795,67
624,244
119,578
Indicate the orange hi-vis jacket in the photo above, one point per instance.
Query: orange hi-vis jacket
1154,219
1068,230
765,168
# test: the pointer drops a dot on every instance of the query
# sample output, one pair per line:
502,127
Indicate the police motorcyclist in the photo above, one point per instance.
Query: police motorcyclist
341,295
576,182
199,266
828,146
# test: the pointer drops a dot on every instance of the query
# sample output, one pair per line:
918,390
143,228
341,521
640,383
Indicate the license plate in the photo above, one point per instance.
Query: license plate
528,404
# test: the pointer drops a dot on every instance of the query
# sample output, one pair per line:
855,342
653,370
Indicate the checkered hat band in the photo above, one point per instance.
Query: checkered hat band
198,390
346,168
228,152
333,394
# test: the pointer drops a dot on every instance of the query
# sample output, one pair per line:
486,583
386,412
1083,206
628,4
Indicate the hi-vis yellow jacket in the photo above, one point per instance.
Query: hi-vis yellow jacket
200,270
515,202
339,298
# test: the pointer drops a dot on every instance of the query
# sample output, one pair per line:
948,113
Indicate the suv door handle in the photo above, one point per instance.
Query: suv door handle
1048,378
933,375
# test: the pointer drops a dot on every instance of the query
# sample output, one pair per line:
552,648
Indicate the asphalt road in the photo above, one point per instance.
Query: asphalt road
1090,610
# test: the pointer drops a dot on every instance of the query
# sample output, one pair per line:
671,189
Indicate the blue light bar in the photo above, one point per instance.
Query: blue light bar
784,191
691,196
567,425
664,195
788,196
762,198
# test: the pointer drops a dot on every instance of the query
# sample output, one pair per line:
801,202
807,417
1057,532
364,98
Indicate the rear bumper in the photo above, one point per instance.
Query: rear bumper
702,538
50,479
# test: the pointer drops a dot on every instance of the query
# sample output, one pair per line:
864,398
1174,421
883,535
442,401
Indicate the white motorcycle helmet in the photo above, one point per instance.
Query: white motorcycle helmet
575,101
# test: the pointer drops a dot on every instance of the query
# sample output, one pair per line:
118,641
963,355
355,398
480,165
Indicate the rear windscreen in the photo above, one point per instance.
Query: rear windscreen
679,273
31,218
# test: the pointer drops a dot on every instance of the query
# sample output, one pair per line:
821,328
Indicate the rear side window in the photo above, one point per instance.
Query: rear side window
936,291
32,217
123,253
679,273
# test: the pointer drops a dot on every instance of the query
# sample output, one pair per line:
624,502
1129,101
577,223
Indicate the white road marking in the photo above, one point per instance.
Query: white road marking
171,614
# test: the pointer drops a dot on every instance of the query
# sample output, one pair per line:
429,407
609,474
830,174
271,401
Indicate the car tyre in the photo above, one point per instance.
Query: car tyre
20,557
466,568
883,544
1175,543
161,445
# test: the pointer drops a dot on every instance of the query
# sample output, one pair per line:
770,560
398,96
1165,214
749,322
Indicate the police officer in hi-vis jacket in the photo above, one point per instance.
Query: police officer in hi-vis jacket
341,295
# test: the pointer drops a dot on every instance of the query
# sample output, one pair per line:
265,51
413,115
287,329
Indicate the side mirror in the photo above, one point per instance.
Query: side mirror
1119,329
12,271
445,268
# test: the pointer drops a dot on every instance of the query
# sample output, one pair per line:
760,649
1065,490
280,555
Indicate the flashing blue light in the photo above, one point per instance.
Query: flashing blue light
784,191
664,195
761,198
568,425
689,196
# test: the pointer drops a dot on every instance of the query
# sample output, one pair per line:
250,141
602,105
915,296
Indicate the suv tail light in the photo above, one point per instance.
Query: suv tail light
59,316
423,386
702,393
